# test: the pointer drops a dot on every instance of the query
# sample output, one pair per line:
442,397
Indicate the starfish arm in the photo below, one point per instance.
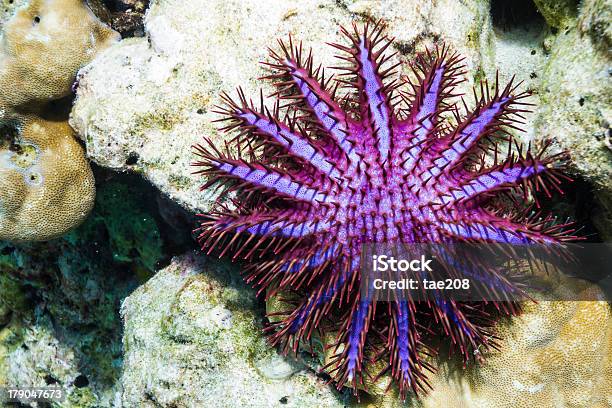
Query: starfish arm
488,282
493,229
456,325
507,175
348,363
366,57
312,261
275,132
376,97
437,75
308,313
260,176
405,363
287,228
490,116
300,82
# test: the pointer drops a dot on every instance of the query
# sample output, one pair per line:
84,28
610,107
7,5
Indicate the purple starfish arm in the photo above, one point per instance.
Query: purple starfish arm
438,74
330,118
323,297
473,130
490,181
262,176
424,120
287,229
376,98
358,329
406,347
457,326
296,144
318,258
501,231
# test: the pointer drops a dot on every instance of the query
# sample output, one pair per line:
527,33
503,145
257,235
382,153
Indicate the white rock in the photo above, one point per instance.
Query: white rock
173,359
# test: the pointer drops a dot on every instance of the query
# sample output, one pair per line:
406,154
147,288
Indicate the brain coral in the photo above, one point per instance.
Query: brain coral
46,184
42,48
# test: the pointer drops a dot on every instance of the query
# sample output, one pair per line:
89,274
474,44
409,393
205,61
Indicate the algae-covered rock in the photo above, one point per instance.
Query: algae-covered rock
193,338
576,105
63,326
558,13
595,20
59,310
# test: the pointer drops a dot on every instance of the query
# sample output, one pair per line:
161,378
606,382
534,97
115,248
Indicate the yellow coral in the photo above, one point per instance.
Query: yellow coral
555,354
46,184
43,47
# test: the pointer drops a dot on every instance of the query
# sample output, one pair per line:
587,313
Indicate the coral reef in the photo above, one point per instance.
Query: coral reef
143,102
63,325
192,339
575,104
59,300
195,326
543,362
595,20
46,184
558,13
7,9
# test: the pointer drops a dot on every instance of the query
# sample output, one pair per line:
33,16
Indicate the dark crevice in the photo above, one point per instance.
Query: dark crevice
577,204
173,222
132,159
9,134
81,381
127,16
508,15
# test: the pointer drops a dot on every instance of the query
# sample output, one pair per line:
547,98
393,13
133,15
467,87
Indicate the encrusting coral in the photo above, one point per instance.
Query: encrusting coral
43,46
46,184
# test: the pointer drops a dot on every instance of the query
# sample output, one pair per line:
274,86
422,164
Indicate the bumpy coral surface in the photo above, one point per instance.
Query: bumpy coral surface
381,164
46,184
42,48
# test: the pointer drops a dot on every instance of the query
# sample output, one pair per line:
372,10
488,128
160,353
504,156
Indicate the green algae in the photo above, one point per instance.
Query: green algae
558,13
132,231
12,296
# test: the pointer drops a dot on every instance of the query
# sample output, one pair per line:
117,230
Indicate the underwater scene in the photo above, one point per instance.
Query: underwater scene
307,203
